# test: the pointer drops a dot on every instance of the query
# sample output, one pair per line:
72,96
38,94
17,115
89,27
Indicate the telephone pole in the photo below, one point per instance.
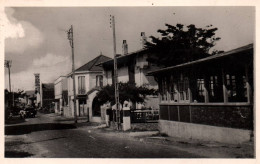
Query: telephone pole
8,64
70,38
112,22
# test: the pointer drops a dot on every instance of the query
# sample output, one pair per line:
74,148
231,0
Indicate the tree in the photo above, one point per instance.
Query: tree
179,44
127,91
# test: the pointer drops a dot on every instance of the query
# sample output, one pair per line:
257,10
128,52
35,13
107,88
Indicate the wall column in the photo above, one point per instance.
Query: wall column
225,94
248,87
126,116
206,89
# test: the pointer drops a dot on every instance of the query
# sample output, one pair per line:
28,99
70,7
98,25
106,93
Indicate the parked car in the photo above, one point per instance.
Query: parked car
28,112
15,110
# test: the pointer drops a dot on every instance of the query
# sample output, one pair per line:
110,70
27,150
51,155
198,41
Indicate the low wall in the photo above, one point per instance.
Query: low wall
229,116
204,132
67,112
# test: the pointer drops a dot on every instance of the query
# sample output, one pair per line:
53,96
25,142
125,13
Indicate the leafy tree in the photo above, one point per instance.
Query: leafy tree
127,91
179,44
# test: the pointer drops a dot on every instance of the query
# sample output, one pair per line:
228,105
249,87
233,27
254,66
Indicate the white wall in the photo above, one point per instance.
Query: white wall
108,78
70,86
58,88
123,75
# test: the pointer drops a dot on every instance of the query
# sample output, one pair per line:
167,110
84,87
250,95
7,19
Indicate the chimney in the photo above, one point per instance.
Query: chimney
124,48
143,39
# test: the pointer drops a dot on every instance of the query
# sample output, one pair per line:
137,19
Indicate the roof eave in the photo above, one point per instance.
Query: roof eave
234,51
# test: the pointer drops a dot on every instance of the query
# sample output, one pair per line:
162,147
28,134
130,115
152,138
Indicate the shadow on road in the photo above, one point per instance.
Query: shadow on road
25,129
14,120
16,154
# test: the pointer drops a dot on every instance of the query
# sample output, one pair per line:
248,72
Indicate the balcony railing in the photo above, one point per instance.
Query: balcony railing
82,91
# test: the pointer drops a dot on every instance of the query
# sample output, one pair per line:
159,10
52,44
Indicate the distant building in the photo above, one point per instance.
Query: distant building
210,98
30,97
88,80
61,94
47,96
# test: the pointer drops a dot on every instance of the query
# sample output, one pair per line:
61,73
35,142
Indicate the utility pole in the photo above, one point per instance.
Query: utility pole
112,19
70,37
8,64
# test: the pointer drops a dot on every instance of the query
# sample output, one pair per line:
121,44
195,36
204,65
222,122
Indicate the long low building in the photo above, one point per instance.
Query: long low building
210,98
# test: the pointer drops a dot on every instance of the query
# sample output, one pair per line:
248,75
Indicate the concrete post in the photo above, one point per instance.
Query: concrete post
108,110
126,116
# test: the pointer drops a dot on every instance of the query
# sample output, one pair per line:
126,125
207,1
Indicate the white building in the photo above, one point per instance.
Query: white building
88,80
133,67
61,93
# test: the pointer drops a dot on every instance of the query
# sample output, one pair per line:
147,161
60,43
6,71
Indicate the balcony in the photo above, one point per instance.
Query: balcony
81,92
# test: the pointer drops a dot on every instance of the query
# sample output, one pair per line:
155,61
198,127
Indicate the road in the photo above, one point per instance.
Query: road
44,137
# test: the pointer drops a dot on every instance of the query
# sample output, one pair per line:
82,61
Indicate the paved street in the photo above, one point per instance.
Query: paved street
43,137
52,136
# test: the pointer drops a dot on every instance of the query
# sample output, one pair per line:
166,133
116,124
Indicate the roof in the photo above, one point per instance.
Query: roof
47,86
124,56
30,93
93,64
217,56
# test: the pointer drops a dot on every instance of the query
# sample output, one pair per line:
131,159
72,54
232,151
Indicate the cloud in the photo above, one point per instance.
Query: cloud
49,60
50,67
20,35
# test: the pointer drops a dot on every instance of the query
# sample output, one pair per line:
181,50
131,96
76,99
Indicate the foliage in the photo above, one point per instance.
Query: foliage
179,44
9,96
127,91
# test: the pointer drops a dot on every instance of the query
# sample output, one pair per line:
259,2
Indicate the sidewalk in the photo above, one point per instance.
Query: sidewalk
198,147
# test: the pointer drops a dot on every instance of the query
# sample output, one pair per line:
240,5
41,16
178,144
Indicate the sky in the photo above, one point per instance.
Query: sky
36,39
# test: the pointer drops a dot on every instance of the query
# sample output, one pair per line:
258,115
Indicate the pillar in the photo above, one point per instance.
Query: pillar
126,117
108,110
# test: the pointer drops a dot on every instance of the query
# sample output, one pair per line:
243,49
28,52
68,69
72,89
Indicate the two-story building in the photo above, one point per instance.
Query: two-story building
210,98
47,96
88,80
133,67
61,93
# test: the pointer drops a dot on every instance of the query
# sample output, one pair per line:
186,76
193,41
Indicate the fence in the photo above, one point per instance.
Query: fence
137,116
143,116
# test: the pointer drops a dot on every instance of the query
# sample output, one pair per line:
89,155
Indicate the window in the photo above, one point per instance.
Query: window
236,88
215,89
244,84
183,85
200,91
99,81
164,89
231,87
81,85
173,90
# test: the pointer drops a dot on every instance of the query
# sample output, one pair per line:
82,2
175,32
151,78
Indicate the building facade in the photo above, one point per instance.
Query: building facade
210,98
47,96
88,81
133,67
61,94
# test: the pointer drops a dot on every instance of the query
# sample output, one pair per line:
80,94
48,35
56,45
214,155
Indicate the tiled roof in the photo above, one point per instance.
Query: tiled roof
47,86
92,65
122,57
